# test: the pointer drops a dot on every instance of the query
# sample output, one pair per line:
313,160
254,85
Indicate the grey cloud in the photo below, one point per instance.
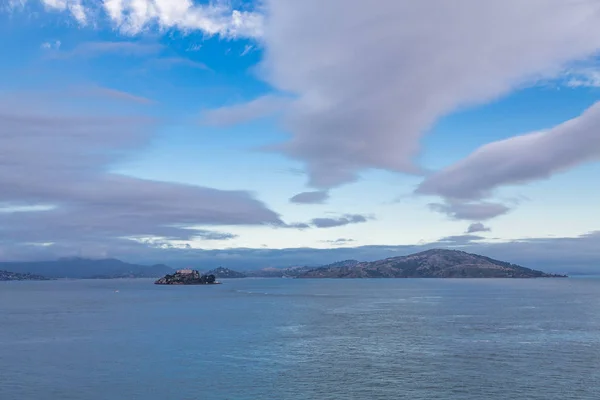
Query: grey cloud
477,227
60,159
298,225
459,240
340,221
520,159
340,241
324,223
479,211
244,112
317,197
370,81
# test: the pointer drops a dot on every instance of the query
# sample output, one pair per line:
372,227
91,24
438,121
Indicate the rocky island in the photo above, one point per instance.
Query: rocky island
435,263
187,277
15,276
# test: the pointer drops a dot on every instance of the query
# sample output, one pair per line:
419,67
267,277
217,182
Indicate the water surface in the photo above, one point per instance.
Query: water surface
301,339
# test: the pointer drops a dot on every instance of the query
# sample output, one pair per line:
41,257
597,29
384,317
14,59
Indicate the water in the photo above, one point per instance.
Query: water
301,339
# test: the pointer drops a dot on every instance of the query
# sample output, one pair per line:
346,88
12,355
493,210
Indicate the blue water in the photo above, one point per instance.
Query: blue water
301,339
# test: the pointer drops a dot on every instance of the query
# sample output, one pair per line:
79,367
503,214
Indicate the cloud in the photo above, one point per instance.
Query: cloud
101,48
459,240
324,223
247,50
317,197
477,227
240,113
347,219
170,62
340,241
366,103
59,161
479,211
519,160
194,47
134,17
13,5
583,77
298,225
110,93
53,45
77,10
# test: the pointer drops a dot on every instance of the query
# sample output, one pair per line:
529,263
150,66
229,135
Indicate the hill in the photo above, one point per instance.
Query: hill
294,272
289,272
225,273
81,268
15,276
436,263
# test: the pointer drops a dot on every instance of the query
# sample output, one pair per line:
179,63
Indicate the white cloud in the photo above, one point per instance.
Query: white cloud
79,12
247,50
194,47
585,77
52,45
213,19
135,16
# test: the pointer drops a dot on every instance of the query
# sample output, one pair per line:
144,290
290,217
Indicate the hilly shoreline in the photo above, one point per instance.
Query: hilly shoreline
436,263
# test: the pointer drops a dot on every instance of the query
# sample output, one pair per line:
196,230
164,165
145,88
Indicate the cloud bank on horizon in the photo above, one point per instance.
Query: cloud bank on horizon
353,88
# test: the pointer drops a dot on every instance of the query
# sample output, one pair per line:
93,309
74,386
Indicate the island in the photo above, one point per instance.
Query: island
15,276
434,263
187,277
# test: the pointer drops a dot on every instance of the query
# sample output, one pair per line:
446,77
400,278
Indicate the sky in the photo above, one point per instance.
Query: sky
285,132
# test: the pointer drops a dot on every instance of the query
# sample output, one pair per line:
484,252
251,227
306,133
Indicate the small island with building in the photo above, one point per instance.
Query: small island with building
187,277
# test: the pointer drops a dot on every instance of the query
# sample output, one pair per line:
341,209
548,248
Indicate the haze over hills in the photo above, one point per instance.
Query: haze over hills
81,268
225,273
436,263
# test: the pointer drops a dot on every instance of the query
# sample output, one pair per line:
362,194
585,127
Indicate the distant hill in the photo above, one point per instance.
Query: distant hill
81,268
15,276
436,263
294,272
224,273
289,272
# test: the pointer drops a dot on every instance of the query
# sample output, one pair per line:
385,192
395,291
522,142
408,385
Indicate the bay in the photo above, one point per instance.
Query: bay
301,339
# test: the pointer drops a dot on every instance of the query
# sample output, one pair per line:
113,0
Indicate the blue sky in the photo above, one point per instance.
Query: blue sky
159,124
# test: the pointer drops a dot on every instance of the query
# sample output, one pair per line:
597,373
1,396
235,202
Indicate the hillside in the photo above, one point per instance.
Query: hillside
436,263
15,276
81,268
225,273
289,272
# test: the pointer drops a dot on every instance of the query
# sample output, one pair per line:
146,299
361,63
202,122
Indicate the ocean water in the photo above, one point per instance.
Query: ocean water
301,339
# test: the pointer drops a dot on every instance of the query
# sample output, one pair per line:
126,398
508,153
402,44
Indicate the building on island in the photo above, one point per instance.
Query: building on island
185,271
